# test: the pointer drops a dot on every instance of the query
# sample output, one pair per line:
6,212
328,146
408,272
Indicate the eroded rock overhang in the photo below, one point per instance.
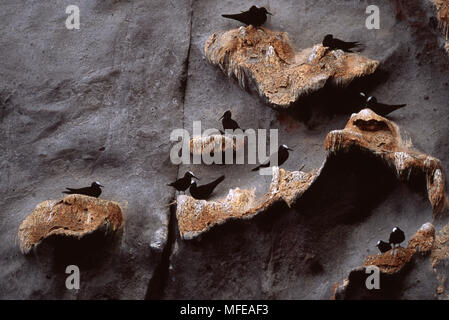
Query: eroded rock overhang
365,131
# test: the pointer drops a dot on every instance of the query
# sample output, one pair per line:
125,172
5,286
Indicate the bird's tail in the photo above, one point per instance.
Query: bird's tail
228,16
399,106
358,47
256,168
220,179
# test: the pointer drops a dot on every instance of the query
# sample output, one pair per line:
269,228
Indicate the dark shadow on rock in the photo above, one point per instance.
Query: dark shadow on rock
350,185
391,286
321,106
93,251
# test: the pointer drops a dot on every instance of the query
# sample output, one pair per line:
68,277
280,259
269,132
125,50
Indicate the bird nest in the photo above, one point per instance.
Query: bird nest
198,216
379,136
216,143
265,61
395,259
390,262
73,216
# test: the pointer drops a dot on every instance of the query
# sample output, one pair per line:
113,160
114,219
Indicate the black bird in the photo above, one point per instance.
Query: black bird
396,236
228,122
203,192
383,246
281,155
254,16
183,183
380,108
94,190
334,44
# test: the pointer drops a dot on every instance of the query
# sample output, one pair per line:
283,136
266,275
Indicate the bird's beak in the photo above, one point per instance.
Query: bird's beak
195,177
101,186
289,149
221,117
269,13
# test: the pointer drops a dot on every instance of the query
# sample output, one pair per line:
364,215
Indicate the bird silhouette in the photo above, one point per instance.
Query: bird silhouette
203,192
334,44
396,236
383,246
228,122
94,190
254,16
281,156
183,183
381,108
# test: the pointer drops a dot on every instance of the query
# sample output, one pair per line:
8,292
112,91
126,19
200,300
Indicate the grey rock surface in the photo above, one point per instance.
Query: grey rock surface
83,105
301,253
99,103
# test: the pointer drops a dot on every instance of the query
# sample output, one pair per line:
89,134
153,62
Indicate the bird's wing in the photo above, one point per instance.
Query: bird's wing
345,44
242,17
387,108
393,106
213,184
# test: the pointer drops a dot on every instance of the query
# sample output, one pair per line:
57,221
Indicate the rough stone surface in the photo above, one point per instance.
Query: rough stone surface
74,216
365,131
198,216
375,134
78,106
443,16
300,253
390,264
100,103
264,61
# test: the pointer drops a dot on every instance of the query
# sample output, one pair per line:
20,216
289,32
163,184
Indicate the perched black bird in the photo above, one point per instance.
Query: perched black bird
396,236
334,44
184,183
254,16
383,246
203,192
281,155
228,122
94,190
380,108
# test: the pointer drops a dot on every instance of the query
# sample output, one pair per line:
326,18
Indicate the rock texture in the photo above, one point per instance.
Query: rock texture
74,216
264,60
375,134
365,131
99,103
215,143
77,106
198,216
389,263
443,16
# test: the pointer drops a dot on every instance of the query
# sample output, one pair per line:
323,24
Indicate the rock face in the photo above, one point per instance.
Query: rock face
443,16
77,106
74,216
214,143
100,103
389,263
365,131
264,60
381,137
198,216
